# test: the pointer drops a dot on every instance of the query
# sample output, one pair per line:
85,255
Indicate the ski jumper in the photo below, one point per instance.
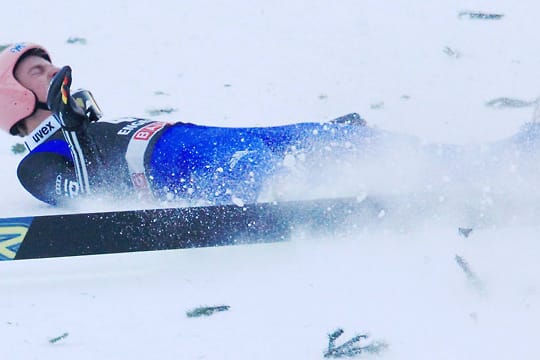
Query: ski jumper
139,158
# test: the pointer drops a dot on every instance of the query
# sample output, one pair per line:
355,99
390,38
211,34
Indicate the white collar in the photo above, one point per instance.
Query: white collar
41,133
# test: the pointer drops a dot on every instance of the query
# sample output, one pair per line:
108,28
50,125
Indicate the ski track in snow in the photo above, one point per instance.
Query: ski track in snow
410,280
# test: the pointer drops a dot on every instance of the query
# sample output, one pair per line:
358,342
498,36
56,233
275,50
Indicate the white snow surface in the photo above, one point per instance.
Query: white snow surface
413,67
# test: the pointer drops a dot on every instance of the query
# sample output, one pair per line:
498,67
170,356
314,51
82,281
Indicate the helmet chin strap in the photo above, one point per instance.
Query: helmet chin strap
41,105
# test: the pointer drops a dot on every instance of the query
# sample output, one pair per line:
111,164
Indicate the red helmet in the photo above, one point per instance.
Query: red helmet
16,101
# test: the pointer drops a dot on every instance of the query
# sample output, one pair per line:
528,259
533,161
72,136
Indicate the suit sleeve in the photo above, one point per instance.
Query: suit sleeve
49,176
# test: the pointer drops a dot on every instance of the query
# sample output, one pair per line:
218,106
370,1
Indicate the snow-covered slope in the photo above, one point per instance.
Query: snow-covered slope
413,67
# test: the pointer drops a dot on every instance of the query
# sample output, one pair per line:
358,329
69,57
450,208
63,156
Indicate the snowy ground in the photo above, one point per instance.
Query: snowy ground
414,67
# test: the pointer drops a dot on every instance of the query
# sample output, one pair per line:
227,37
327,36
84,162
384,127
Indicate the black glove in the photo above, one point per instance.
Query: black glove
62,104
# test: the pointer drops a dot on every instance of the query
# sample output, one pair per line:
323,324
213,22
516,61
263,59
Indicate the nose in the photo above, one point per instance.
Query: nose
53,71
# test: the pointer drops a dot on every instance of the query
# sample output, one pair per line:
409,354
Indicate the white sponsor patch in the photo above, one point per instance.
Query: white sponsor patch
41,133
135,155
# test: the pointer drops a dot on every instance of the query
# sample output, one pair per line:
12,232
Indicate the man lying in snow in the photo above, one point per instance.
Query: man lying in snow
74,153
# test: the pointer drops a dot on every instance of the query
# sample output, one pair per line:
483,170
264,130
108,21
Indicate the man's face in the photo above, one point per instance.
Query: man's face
35,74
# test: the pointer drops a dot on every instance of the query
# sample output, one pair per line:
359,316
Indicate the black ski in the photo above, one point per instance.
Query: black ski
174,228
